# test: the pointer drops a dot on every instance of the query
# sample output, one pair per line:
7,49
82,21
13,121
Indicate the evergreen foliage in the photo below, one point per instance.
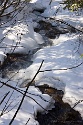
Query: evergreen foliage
73,4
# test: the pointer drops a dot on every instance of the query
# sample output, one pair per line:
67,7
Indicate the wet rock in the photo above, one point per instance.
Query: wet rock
14,62
56,94
49,30
39,10
63,113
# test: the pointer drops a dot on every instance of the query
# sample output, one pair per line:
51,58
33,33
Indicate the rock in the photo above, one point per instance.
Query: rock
50,31
13,62
63,113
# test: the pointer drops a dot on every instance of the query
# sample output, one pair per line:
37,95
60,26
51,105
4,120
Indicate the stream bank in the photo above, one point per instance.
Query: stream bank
62,114
59,48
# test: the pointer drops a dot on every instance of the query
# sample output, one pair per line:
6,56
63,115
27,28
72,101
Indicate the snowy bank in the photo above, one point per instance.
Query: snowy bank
64,55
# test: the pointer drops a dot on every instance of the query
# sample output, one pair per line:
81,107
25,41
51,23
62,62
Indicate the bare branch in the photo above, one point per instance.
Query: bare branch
5,4
27,121
25,94
63,68
77,103
62,21
4,97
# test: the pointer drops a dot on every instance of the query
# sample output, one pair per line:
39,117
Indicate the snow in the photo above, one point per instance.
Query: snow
21,36
2,56
29,107
56,9
60,56
64,54
40,4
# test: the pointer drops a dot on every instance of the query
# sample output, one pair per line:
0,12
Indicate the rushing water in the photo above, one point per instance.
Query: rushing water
14,62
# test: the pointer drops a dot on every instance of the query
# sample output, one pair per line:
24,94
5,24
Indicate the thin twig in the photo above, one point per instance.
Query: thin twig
27,121
62,21
77,103
18,90
62,69
4,97
25,95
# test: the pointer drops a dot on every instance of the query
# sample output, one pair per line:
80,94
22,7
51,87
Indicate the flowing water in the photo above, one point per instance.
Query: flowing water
62,114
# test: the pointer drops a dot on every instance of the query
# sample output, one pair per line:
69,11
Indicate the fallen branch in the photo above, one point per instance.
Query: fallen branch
62,69
62,21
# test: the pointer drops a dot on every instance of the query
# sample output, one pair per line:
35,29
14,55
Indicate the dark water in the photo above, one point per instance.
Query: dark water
62,114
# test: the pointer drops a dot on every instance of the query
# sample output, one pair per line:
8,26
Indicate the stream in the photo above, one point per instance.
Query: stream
16,61
62,114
